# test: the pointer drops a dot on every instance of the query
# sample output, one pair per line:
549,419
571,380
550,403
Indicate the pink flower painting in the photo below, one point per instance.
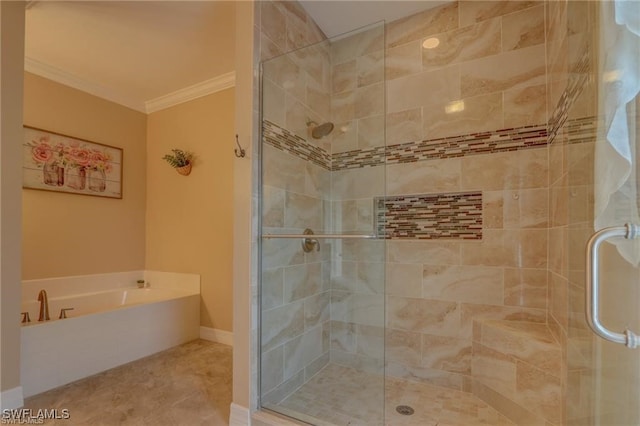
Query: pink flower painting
62,163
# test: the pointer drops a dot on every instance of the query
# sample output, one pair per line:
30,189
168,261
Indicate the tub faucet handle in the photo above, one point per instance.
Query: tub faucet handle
25,317
63,312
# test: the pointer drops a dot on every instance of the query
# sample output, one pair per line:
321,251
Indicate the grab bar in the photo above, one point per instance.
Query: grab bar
592,296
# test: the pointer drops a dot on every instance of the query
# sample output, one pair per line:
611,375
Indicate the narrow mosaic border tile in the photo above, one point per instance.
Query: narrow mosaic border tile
286,141
430,216
578,78
502,140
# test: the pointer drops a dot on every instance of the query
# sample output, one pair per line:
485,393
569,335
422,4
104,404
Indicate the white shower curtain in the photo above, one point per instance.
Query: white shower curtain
616,200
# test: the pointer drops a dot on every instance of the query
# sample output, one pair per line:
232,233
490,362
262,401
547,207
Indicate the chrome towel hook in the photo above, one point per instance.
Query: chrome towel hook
242,152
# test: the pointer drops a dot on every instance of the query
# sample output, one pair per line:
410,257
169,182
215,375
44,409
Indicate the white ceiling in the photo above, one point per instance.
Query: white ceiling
139,53
336,17
134,51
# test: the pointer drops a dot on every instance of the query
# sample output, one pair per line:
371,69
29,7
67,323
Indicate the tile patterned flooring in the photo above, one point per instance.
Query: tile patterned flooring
186,385
191,385
343,396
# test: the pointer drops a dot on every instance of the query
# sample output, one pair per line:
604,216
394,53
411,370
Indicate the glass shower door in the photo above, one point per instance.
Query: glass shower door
322,262
603,378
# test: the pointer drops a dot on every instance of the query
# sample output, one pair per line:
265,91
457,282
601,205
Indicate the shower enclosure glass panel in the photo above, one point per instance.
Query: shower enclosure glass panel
603,378
322,296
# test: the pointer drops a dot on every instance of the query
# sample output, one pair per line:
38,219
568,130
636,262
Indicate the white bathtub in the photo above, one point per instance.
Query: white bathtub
113,324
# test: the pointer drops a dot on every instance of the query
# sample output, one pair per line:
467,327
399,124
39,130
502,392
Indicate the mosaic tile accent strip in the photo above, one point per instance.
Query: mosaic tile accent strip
430,216
578,78
582,130
513,139
286,141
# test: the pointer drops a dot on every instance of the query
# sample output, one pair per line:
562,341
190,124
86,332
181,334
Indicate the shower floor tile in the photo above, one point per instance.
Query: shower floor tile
343,396
186,385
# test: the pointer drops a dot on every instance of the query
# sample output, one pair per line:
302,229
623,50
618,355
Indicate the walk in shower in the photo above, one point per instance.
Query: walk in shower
427,193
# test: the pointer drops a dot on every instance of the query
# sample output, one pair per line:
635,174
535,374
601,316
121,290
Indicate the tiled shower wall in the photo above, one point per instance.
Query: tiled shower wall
488,79
486,74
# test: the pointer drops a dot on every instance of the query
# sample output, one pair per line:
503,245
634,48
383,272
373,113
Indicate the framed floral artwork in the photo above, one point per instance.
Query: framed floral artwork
55,162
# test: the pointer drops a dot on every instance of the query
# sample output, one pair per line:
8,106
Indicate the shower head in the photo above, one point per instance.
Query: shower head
319,131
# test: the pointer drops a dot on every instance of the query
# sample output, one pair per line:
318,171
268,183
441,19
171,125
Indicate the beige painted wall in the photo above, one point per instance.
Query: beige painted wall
189,218
67,234
11,55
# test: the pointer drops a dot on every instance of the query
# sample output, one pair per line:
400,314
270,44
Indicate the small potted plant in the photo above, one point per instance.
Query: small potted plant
180,160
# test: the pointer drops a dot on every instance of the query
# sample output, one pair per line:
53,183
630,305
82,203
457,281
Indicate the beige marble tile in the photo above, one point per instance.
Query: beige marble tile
424,316
301,281
272,288
511,70
282,170
302,350
439,379
319,100
403,60
527,342
370,68
474,284
361,309
424,89
273,23
282,324
371,342
424,177
285,73
539,392
316,310
371,132
344,76
493,369
493,209
423,252
404,126
524,248
273,102
404,279
479,114
345,137
360,183
523,29
301,211
358,43
525,287
369,101
525,107
558,299
446,353
506,170
281,252
273,206
371,277
476,11
343,106
268,49
463,44
526,208
272,369
343,336
402,347
472,311
423,24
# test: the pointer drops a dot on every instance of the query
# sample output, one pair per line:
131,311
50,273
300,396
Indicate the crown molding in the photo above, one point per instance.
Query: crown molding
63,77
198,90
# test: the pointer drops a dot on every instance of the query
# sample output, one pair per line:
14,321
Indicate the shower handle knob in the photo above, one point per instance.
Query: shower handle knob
309,243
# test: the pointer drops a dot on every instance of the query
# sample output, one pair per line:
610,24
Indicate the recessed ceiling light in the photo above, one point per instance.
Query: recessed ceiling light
431,43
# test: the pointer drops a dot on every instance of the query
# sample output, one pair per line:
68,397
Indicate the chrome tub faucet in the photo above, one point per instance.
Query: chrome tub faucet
44,306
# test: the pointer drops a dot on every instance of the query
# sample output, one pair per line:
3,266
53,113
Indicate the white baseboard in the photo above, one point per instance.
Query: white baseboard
239,415
215,335
11,399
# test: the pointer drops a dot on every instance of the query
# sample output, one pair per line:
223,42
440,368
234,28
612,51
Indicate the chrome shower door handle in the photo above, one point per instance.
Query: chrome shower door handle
592,295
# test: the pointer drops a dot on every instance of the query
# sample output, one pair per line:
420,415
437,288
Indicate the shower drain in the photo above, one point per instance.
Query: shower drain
405,410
